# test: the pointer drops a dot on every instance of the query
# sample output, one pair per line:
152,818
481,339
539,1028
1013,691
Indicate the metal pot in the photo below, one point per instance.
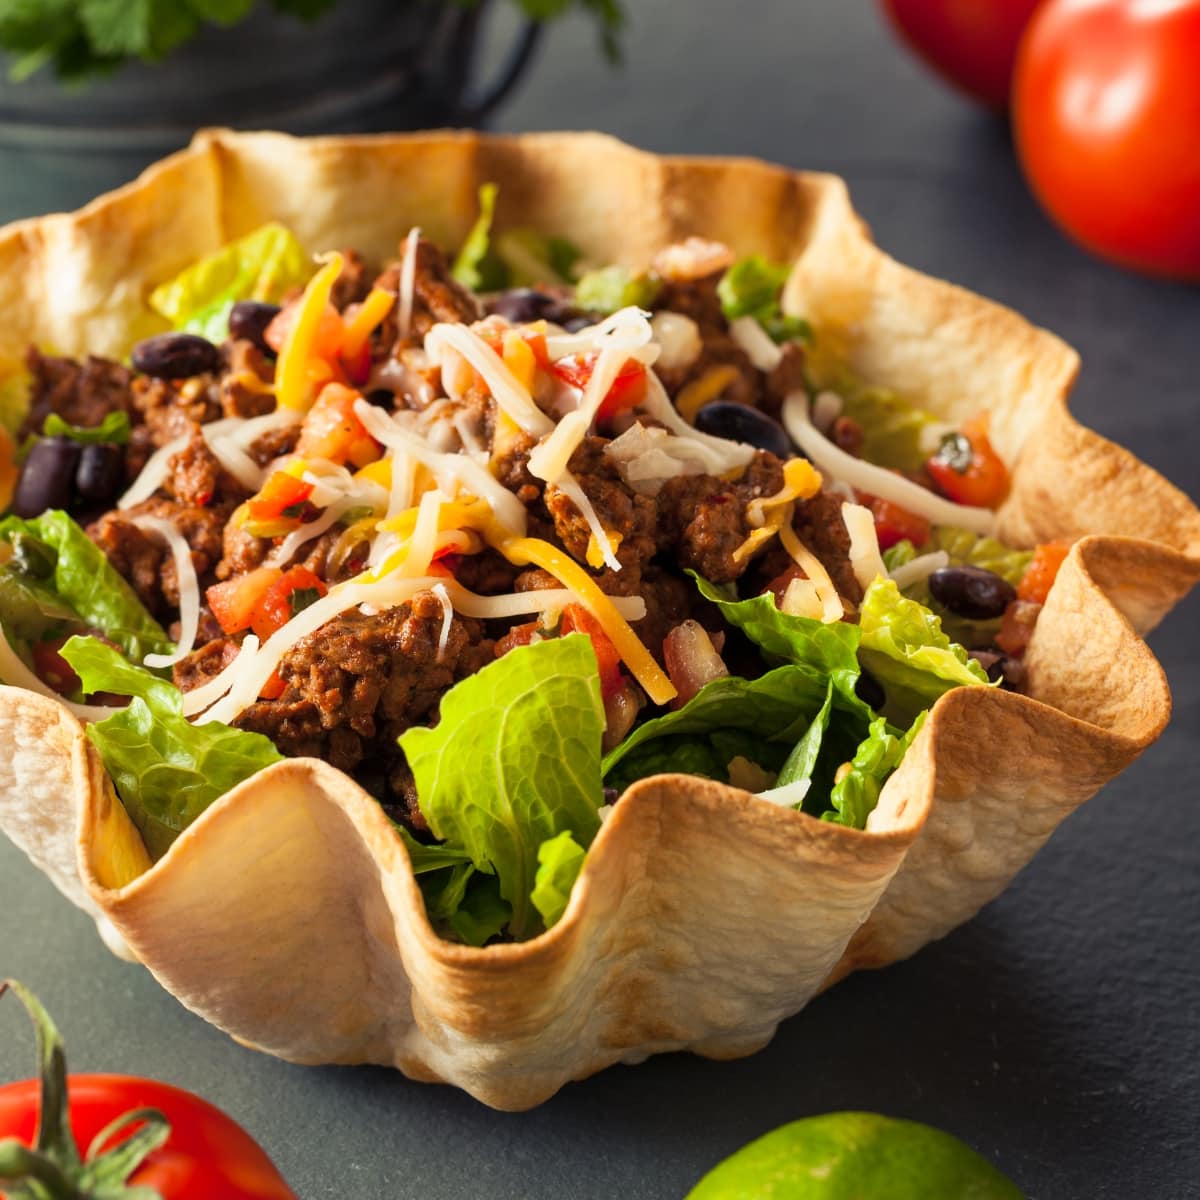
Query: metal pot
365,66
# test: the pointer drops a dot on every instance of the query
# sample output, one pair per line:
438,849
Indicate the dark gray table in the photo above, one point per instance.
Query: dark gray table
1059,1031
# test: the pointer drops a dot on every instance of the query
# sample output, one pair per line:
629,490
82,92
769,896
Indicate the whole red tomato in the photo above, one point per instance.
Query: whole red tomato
972,43
137,1134
1106,108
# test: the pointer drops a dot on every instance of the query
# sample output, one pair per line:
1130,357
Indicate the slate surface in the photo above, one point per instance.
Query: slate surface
1059,1032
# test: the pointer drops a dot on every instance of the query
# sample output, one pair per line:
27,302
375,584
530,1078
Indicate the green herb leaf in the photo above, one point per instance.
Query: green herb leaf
476,266
560,859
613,288
114,428
85,581
263,265
904,647
167,771
513,761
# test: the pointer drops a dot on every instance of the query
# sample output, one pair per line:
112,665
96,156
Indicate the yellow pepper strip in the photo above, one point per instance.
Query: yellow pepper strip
699,392
522,550
292,378
379,471
374,308
519,359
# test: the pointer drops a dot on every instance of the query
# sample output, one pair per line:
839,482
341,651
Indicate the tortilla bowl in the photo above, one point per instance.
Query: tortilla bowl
288,914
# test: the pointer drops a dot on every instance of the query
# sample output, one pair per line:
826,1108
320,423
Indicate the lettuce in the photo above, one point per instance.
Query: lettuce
751,288
114,428
476,266
167,771
514,761
853,799
611,288
904,647
263,265
85,582
894,431
532,258
560,859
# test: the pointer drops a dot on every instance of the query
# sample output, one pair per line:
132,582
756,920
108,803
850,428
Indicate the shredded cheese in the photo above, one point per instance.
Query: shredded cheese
286,550
832,608
408,281
720,454
443,598
867,477
558,563
292,377
766,514
865,559
15,673
919,568
374,308
189,589
198,699
763,353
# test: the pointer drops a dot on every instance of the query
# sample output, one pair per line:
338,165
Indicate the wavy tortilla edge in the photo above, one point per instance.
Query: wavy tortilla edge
288,914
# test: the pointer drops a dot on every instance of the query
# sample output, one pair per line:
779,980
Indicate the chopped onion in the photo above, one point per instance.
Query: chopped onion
826,409
865,559
720,454
678,338
647,458
762,352
919,568
878,481
189,589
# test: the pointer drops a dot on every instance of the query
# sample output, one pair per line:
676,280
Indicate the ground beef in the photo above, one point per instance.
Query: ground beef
244,363
820,526
146,563
488,573
703,519
196,477
358,682
204,664
275,443
82,393
436,297
353,284
787,377
240,551
170,407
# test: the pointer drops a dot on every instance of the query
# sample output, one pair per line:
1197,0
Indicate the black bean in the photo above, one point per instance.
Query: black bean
249,319
47,476
382,398
741,423
176,356
972,592
100,476
992,661
870,691
520,305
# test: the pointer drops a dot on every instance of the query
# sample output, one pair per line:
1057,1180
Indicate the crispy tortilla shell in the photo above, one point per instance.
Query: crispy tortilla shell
288,914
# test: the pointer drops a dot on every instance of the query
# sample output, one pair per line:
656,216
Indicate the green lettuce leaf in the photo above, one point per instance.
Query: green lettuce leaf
477,266
611,288
893,429
560,859
854,798
481,913
965,549
14,399
114,428
904,647
513,761
751,288
84,581
167,771
532,258
263,265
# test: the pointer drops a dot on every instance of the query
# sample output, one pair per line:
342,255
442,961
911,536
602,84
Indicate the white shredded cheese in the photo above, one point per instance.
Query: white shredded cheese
647,458
919,568
570,487
189,589
626,329
153,473
762,352
15,673
720,454
832,608
790,795
286,550
443,598
198,699
878,481
865,559
408,282
826,409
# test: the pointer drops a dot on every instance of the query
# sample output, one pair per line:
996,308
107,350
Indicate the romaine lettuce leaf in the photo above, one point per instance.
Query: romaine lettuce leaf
114,428
482,912
893,429
513,761
477,266
853,799
560,859
611,288
166,770
263,265
84,581
751,288
532,258
904,647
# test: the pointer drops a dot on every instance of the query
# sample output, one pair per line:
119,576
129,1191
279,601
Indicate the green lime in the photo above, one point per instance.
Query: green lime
855,1156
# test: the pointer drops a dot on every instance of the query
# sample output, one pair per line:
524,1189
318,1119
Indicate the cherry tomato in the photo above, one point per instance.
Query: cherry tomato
273,688
971,473
518,635
972,43
628,389
185,1148
577,619
282,492
895,524
283,598
50,666
233,602
1106,111
1042,570
1017,626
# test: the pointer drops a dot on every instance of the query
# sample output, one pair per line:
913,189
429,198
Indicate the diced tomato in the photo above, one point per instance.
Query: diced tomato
1017,627
273,688
577,619
518,635
330,330
779,585
895,524
332,430
283,495
291,593
50,666
233,602
628,389
978,477
1042,570
357,365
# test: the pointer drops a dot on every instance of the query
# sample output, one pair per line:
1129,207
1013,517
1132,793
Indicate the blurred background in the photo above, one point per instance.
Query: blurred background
1058,1032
